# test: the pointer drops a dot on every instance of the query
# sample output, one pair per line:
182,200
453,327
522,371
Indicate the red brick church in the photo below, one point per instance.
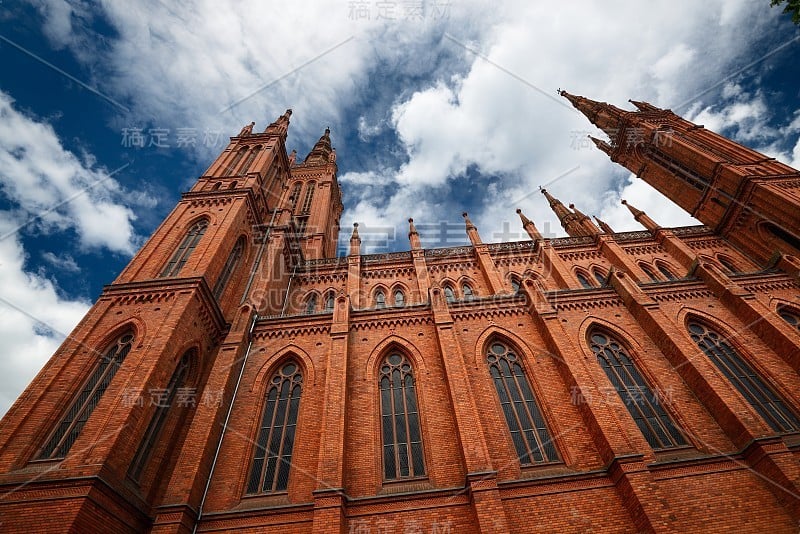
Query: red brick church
237,375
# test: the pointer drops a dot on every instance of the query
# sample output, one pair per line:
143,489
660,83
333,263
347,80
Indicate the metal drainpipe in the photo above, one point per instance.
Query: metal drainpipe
225,425
288,289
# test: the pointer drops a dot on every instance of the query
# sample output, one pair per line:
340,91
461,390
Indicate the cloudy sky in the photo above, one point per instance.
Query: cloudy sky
108,111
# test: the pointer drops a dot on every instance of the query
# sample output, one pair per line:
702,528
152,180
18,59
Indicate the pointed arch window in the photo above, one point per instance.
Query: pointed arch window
295,196
449,295
728,264
644,405
230,266
764,400
665,271
399,298
600,277
529,433
185,249
82,406
402,440
250,157
790,316
380,299
466,290
236,160
309,196
649,272
515,284
311,304
329,302
164,403
273,450
584,281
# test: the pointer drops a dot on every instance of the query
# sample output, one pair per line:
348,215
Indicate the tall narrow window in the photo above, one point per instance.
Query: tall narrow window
600,277
515,284
642,402
329,301
764,400
273,450
185,249
399,298
82,406
230,266
311,304
295,196
665,271
583,280
250,157
728,264
402,439
380,299
448,294
309,196
236,160
790,316
529,432
466,290
164,403
649,272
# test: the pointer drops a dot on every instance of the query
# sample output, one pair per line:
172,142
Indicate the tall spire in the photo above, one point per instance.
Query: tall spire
472,231
584,221
642,218
355,241
281,124
603,225
558,208
644,106
605,116
413,235
321,153
602,145
528,226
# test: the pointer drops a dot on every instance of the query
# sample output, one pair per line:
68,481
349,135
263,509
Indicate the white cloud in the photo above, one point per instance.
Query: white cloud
54,190
50,191
64,262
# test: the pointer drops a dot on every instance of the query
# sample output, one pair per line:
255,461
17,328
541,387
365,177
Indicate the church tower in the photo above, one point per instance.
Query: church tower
743,195
110,413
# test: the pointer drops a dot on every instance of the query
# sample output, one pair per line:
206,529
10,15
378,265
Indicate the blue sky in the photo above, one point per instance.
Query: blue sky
435,107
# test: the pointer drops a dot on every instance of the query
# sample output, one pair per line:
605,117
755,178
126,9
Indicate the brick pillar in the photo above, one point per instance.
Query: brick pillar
555,266
481,479
620,259
675,247
489,269
634,483
329,513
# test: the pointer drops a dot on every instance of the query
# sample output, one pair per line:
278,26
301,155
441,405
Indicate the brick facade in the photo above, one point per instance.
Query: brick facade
287,299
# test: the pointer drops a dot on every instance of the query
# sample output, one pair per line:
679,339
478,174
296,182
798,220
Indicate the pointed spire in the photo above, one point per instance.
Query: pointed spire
644,106
472,231
321,152
603,115
281,124
558,208
602,145
584,222
528,226
642,218
355,241
413,235
293,158
247,130
603,225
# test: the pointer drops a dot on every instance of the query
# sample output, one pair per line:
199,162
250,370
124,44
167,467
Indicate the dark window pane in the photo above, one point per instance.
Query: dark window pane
635,392
523,417
399,420
278,429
